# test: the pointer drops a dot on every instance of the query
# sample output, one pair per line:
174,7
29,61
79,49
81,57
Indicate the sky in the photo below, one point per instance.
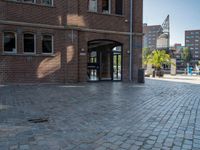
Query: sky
184,15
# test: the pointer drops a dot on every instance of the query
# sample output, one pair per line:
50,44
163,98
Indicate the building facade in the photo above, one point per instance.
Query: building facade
178,51
192,41
70,41
151,34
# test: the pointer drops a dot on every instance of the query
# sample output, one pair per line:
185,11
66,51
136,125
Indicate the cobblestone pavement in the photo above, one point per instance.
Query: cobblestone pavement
99,116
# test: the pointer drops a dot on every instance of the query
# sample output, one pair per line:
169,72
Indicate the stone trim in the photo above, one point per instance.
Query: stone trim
6,22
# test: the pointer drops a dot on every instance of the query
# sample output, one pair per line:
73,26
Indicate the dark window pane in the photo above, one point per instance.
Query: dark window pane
29,43
9,42
119,7
29,1
47,2
47,44
105,6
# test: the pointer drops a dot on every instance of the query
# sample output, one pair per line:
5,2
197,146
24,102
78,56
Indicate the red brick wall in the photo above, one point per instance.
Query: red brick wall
66,65
34,68
25,12
85,37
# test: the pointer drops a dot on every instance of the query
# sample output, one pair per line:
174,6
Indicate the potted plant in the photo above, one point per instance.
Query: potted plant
158,58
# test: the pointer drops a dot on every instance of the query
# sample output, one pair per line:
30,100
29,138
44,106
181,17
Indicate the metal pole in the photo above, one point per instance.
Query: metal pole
131,39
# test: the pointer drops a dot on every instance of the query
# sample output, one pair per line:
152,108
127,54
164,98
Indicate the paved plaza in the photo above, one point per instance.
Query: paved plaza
159,114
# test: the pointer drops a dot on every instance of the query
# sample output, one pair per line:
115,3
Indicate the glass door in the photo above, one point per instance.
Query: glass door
117,64
105,65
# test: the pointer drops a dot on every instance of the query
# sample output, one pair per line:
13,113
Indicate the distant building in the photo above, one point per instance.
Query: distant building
151,34
178,55
192,41
162,41
157,36
178,47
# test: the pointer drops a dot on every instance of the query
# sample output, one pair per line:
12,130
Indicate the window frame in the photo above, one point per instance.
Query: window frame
88,7
122,10
52,44
35,43
109,7
34,2
52,3
3,40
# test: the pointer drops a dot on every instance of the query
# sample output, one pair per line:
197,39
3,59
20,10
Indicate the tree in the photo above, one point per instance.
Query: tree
186,55
158,58
145,52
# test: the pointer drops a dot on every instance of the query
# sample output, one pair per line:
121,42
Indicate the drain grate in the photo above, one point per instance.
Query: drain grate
39,120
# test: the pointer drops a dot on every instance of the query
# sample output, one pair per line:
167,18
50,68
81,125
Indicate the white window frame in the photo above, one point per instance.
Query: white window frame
52,44
13,52
35,44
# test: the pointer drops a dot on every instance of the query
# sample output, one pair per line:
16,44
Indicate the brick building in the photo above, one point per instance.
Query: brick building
70,41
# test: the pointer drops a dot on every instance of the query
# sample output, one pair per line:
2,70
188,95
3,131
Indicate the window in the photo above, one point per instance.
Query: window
29,43
92,5
47,44
106,6
9,42
119,7
47,2
29,1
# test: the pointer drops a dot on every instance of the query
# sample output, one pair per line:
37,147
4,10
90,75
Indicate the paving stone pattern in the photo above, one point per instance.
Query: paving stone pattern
101,116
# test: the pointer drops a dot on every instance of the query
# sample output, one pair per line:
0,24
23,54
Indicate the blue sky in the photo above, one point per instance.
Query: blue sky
184,15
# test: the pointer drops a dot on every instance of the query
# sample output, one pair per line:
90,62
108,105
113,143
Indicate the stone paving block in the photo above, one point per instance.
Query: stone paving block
160,115
24,147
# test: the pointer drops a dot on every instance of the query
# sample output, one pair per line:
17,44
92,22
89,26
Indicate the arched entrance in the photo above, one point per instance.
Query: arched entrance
104,60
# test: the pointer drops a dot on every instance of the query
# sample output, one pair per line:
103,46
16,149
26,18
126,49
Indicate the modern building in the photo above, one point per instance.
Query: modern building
192,41
178,50
163,41
58,41
157,36
151,34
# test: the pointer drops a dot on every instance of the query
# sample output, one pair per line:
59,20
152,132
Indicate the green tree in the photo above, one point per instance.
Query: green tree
158,58
186,55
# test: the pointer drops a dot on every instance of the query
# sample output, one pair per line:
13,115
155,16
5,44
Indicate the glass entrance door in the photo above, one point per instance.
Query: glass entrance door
104,61
105,65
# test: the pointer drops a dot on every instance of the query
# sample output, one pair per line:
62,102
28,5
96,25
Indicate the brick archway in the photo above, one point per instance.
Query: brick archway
104,60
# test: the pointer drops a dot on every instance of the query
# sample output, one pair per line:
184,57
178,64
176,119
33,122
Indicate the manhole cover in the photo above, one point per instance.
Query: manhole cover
38,120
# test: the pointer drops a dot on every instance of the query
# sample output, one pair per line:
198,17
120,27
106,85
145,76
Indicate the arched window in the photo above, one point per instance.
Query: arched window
9,42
